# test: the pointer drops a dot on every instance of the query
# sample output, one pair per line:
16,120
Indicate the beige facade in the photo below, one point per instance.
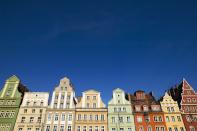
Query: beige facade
61,112
172,114
91,112
32,112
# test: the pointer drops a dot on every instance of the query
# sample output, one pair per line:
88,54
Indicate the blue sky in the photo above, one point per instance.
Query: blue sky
148,45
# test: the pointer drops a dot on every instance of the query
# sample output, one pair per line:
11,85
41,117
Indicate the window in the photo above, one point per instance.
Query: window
172,109
33,110
181,129
147,118
145,108
157,129
55,105
84,128
69,128
22,119
149,128
28,129
85,117
62,128
20,129
90,128
169,129
34,103
141,129
88,97
56,117
96,117
63,117
162,129
113,120
41,103
129,129
175,129
94,105
96,128
128,119
1,102
113,129
37,129
67,105
192,128
78,128
88,105
49,117
25,110
102,128
173,119
120,119
79,117
62,97
188,100
115,109
139,119
102,118
121,129
27,104
179,118
167,119
61,105
124,109
188,118
55,128
137,108
68,97
31,119
39,120
41,110
90,117
70,117
94,97
56,97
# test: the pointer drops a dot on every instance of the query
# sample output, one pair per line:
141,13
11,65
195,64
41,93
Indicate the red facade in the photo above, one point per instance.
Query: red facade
187,99
147,112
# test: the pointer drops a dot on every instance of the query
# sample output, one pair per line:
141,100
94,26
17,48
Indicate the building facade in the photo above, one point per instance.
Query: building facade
10,100
172,114
61,112
187,100
147,111
32,112
120,116
91,113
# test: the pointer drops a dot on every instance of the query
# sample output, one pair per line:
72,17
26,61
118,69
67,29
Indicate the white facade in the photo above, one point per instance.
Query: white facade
32,112
61,112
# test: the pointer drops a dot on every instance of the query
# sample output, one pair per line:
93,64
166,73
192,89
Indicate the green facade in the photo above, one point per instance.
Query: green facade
10,99
120,116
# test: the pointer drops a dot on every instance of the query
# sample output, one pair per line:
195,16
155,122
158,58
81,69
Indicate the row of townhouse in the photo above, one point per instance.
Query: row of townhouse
21,110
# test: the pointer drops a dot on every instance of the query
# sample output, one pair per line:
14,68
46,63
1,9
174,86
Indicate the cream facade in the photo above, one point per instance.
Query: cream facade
91,112
32,112
120,113
172,114
61,112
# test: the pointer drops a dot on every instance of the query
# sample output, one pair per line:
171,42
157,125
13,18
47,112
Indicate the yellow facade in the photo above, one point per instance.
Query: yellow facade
91,113
172,114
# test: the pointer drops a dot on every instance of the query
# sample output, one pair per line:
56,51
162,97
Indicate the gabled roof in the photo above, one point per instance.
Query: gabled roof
13,78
